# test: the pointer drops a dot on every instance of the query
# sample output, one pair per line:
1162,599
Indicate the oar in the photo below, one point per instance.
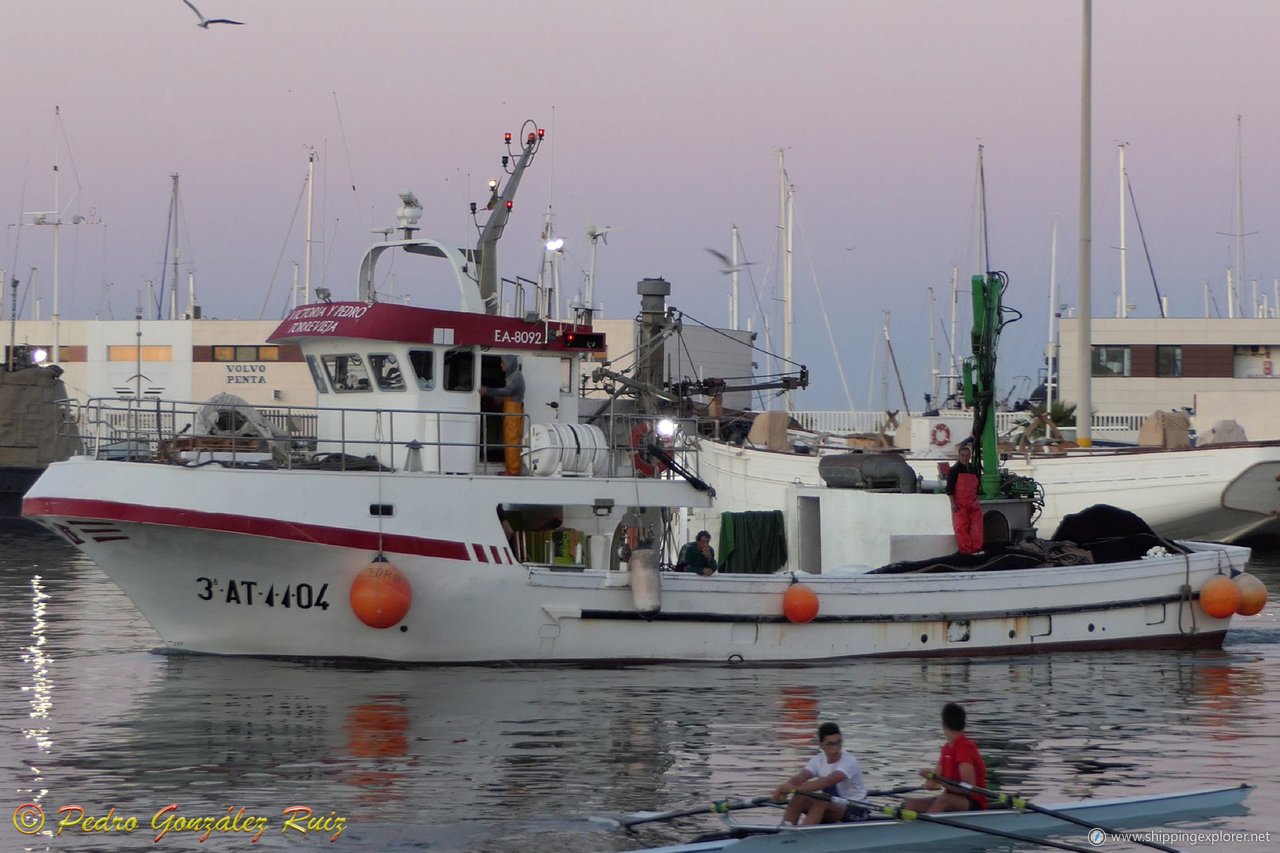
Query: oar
907,814
1020,803
724,807
719,807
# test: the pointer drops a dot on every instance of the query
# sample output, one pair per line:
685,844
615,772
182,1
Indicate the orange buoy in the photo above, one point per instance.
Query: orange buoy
800,603
380,594
1220,597
1253,594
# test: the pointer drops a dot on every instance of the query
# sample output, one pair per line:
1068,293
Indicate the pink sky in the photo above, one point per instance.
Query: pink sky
663,121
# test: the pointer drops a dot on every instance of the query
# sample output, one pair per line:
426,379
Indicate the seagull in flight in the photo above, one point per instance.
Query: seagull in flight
205,22
727,264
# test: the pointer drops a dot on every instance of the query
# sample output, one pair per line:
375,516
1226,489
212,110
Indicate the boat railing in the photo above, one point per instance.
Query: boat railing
189,432
1118,427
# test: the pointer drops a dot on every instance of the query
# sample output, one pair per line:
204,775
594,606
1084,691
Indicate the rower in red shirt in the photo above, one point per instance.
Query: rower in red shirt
960,760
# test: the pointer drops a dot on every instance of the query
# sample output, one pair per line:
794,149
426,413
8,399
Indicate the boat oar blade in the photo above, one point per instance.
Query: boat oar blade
719,807
1019,802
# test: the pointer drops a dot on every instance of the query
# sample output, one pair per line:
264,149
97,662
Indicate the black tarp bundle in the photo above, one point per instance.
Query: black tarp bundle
1098,534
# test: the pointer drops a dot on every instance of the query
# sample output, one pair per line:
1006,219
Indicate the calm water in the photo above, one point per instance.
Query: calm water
509,760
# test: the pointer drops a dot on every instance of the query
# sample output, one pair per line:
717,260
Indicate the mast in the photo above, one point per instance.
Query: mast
57,222
485,255
733,292
952,381
177,248
786,213
1239,277
1052,353
595,235
1084,349
1123,311
306,277
934,373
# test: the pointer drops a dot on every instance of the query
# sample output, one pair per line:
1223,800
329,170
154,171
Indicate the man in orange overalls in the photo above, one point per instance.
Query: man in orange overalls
966,513
513,409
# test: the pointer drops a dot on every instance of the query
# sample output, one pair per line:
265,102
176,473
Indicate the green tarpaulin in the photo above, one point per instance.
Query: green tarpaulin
752,542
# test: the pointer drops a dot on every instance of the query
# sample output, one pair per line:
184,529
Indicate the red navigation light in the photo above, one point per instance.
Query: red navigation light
541,133
532,136
508,137
584,340
509,204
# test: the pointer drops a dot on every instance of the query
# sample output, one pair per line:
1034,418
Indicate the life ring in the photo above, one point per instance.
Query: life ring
640,458
941,435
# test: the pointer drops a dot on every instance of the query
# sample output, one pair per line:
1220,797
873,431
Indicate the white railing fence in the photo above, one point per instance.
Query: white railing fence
1111,427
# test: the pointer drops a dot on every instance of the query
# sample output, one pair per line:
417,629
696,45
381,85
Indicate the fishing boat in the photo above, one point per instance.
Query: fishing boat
1178,492
36,423
974,827
386,522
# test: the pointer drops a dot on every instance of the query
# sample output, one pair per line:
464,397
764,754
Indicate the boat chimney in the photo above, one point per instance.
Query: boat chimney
653,325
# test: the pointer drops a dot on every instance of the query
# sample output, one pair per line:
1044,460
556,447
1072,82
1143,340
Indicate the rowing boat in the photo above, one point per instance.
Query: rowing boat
890,834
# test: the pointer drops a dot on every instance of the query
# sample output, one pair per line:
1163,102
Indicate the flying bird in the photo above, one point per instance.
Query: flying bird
727,264
205,22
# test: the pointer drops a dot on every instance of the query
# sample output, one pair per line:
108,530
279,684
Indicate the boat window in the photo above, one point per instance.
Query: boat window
1111,361
387,371
317,375
423,363
347,372
460,369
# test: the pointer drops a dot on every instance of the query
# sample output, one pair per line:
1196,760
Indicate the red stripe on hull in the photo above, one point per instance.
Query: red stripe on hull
272,528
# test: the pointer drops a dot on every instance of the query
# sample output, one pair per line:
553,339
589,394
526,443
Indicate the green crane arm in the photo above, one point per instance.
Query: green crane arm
980,377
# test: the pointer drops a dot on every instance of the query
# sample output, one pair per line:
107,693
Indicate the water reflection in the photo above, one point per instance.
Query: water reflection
481,759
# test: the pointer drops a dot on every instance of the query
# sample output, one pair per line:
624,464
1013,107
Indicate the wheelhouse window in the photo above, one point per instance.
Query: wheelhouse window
386,369
423,362
317,375
1168,361
347,373
1111,361
460,369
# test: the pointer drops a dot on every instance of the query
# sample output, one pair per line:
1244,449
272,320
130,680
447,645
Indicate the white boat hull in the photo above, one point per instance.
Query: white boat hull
1179,493
897,835
261,562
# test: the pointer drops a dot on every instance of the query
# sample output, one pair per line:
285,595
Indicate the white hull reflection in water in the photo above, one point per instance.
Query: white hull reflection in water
480,759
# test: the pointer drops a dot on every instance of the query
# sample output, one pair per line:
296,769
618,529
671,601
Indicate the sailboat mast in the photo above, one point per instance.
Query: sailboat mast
1084,349
786,210
306,260
733,292
1052,353
177,247
57,221
934,373
1123,311
953,379
1240,278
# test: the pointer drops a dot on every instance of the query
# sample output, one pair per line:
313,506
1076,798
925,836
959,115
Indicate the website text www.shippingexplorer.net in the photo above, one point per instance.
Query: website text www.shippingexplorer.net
1179,838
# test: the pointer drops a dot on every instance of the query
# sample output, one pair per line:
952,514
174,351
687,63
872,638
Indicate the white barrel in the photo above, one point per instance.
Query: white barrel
646,582
568,449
